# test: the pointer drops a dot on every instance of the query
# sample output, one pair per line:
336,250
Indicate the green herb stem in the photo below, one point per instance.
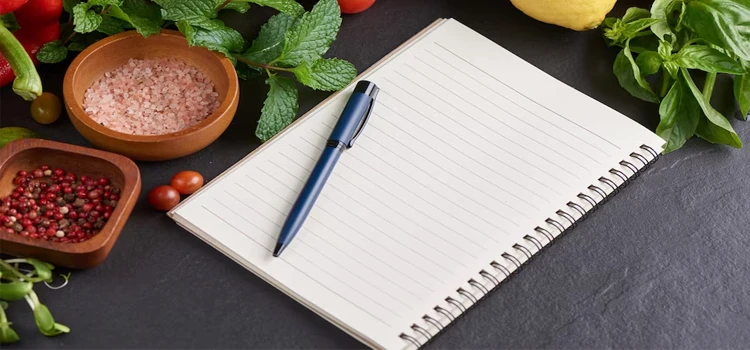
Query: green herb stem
224,4
10,268
708,85
666,83
261,65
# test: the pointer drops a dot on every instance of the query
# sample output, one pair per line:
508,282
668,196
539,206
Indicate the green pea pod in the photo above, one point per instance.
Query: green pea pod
15,290
43,270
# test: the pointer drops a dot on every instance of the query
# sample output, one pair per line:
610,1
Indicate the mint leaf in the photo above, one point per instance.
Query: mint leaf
105,2
52,52
85,20
286,6
8,20
240,7
270,41
68,5
325,74
111,25
679,114
279,109
716,128
222,38
312,35
187,10
143,16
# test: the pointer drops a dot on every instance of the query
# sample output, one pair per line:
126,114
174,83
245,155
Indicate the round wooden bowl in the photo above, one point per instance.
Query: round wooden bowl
113,52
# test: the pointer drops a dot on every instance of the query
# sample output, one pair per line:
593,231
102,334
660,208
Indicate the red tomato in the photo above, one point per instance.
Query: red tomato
187,182
354,6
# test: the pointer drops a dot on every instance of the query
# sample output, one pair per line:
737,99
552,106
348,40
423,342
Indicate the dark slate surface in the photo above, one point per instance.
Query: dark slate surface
663,265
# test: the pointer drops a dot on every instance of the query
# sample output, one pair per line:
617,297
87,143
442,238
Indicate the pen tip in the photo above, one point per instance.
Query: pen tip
279,248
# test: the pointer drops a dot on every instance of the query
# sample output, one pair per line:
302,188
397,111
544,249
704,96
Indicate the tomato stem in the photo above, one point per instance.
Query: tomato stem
27,83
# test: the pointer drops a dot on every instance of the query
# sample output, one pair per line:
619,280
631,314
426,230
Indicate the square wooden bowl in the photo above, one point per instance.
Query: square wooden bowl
29,154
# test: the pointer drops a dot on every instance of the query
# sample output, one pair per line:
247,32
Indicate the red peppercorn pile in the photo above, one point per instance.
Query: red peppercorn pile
55,205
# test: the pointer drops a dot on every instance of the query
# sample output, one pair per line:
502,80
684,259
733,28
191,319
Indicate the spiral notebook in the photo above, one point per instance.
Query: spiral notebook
472,162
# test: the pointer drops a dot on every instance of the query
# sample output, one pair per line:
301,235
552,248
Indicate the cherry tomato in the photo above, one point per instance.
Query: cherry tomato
163,198
354,6
46,108
187,182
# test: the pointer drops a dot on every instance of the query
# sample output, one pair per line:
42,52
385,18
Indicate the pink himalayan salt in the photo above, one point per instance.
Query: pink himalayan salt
151,97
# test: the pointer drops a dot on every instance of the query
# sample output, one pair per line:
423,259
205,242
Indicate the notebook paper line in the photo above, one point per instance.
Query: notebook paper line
492,115
338,175
304,241
496,93
483,123
530,99
355,305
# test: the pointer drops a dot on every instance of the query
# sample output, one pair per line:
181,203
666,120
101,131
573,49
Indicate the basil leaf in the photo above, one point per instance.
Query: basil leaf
679,113
270,41
8,21
648,62
707,59
659,11
641,44
279,109
635,13
290,7
325,74
16,290
629,76
624,32
742,93
665,52
52,52
725,23
85,20
311,36
716,128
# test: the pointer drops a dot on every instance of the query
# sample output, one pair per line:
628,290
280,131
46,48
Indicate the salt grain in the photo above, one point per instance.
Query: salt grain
151,97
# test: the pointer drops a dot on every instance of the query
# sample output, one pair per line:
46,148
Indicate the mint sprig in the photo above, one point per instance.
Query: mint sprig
289,48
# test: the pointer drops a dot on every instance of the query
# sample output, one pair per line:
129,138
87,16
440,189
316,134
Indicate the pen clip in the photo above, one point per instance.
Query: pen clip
364,119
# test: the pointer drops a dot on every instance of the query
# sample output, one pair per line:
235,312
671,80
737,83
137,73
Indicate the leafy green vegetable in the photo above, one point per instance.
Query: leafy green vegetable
270,41
143,16
15,290
52,52
710,37
280,107
290,7
325,74
85,19
8,20
12,133
310,37
629,75
679,114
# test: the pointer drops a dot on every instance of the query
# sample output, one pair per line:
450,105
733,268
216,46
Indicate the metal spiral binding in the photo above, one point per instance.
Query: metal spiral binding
528,247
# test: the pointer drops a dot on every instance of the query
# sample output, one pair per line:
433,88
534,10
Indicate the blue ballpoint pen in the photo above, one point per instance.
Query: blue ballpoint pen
349,126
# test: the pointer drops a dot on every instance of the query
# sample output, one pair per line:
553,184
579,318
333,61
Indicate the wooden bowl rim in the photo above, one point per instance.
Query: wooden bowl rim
129,169
76,110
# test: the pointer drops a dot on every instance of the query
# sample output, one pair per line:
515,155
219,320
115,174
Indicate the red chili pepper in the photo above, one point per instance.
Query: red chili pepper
8,6
39,22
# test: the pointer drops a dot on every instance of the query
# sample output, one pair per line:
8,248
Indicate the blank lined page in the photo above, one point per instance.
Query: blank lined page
468,150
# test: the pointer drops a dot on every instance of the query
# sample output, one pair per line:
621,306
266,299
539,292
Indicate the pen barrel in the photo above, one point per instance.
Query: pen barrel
351,117
309,193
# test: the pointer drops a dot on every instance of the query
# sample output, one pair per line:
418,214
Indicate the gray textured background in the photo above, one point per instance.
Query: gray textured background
663,265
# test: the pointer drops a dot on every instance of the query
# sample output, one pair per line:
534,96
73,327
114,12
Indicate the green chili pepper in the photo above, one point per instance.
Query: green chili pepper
27,83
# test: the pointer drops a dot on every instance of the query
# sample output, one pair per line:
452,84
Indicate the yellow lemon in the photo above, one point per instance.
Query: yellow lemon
578,15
